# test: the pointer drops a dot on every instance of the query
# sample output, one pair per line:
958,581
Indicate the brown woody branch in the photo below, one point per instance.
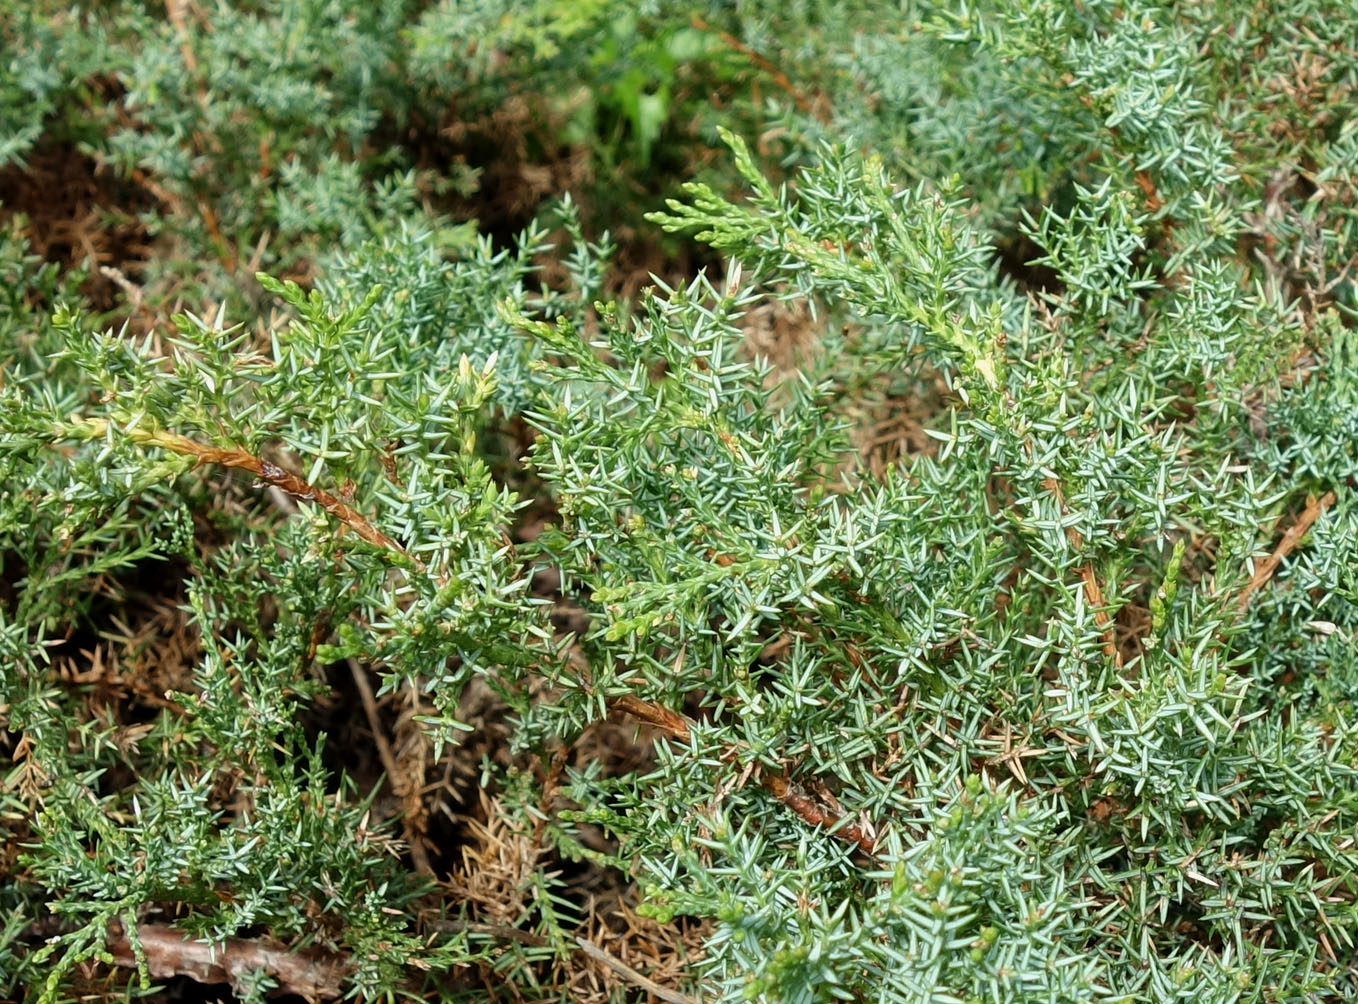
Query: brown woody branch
310,973
314,974
781,789
1265,569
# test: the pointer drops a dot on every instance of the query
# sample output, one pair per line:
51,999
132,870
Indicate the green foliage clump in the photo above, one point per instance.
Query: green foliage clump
1059,708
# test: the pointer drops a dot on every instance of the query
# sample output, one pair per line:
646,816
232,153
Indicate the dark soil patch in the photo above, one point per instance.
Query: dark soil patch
508,163
79,214
1017,254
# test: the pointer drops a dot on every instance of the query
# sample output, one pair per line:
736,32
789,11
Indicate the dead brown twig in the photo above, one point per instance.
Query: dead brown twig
1265,569
313,974
310,973
551,780
400,785
631,975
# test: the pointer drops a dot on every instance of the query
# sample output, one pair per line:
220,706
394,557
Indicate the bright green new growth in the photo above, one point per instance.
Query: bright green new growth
1035,717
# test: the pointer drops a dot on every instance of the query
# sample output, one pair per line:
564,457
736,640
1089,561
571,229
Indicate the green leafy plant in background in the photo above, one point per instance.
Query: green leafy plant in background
266,135
1059,708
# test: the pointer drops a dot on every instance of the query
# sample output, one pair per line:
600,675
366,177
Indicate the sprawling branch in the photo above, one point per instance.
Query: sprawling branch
245,461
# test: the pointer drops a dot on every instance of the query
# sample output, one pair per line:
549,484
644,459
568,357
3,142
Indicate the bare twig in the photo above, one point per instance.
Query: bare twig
501,931
132,290
365,693
1265,569
310,973
631,975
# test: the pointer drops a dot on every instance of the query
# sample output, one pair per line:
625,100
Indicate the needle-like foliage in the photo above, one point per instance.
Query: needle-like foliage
1059,708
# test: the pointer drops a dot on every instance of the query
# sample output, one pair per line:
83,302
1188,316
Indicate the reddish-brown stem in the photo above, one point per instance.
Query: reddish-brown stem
669,722
778,786
1093,593
1153,201
1265,569
266,471
676,726
775,74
